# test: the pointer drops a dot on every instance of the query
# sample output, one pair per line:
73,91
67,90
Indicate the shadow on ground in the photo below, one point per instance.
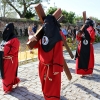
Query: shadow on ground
94,77
87,90
22,93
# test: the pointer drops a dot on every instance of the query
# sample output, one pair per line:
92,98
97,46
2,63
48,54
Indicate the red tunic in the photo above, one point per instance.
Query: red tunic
10,62
91,60
50,62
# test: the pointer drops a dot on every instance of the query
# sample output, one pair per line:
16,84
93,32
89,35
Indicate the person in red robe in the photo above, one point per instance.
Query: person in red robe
50,54
85,50
10,48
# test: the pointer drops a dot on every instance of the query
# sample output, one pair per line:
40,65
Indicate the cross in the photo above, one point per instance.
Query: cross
84,16
58,15
84,19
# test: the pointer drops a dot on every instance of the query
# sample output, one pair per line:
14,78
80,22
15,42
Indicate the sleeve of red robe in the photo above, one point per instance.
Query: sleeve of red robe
92,33
11,47
78,37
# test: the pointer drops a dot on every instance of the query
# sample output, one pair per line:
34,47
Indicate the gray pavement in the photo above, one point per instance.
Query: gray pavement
87,88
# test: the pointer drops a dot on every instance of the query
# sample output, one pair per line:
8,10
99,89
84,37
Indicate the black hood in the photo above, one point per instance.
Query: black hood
89,22
8,32
51,30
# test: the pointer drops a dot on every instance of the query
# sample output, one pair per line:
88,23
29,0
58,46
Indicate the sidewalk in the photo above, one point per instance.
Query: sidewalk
87,88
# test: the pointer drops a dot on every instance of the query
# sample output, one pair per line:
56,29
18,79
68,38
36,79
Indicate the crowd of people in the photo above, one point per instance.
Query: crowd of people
70,32
50,54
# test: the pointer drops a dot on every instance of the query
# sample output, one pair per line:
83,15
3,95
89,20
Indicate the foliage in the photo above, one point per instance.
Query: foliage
71,16
68,17
69,40
51,10
96,19
29,14
21,6
78,18
65,20
97,38
22,9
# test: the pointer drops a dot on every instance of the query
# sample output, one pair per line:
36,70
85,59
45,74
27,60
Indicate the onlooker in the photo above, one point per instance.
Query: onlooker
98,29
74,34
64,31
69,32
30,31
34,28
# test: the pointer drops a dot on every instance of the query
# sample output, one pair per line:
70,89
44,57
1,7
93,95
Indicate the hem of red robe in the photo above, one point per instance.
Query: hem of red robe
51,98
9,87
82,72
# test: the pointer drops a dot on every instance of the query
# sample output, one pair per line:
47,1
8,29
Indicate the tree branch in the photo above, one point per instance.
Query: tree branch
32,3
13,7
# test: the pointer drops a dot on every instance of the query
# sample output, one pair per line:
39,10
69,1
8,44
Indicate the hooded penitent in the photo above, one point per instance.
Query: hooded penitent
85,46
89,22
8,32
51,35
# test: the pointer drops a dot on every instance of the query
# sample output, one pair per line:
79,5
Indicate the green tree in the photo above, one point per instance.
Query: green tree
68,17
29,14
71,17
65,13
51,10
22,6
78,18
96,19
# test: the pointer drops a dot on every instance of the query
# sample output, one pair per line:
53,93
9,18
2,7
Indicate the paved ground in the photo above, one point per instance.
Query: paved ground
87,88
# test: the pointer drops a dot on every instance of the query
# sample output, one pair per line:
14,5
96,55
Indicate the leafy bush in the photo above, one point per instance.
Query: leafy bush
69,40
29,14
97,38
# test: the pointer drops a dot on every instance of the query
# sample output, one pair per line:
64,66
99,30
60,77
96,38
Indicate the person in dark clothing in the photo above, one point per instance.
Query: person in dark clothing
34,28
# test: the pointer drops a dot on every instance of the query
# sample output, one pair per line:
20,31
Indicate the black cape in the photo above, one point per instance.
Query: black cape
84,55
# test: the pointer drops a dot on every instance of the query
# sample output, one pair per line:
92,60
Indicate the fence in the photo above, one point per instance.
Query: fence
25,56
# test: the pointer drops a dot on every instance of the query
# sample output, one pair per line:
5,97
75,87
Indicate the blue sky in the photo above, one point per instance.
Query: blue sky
78,6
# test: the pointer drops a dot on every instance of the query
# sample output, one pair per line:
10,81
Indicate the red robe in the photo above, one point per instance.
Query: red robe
10,64
91,58
50,62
